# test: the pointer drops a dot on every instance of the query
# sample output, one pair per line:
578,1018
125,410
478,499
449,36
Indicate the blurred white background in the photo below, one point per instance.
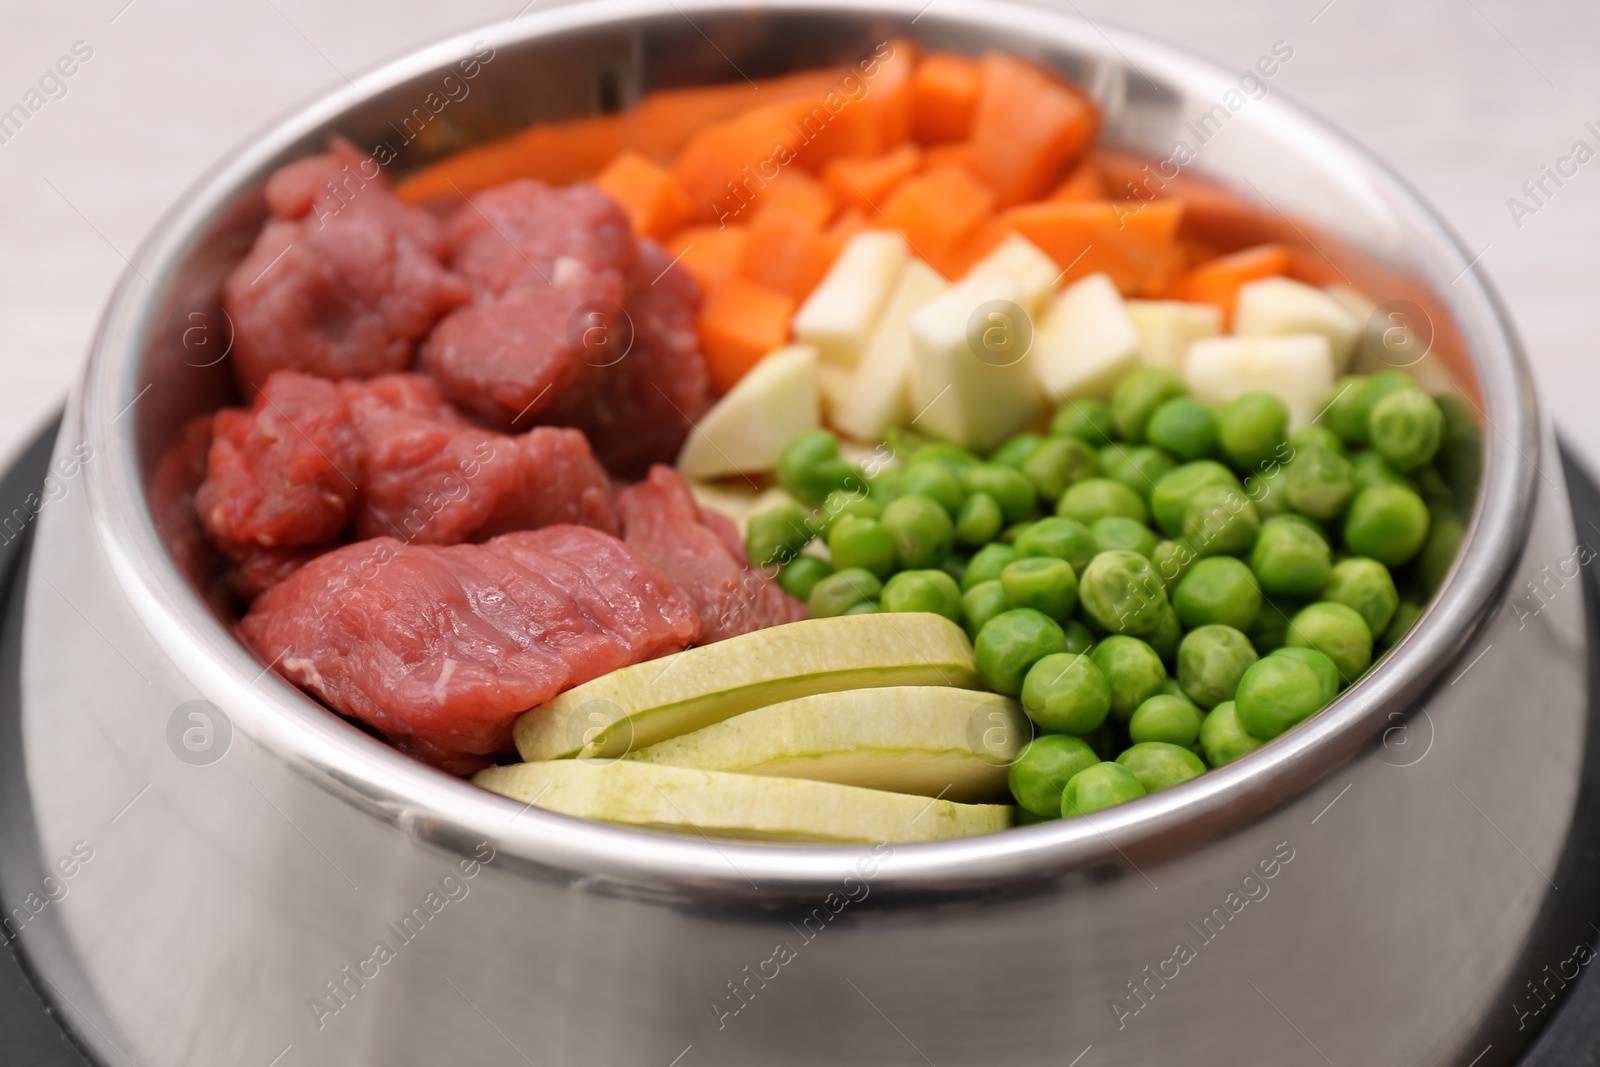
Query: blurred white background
1467,98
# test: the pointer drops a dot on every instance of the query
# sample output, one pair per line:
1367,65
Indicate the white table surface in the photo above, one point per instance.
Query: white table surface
1467,98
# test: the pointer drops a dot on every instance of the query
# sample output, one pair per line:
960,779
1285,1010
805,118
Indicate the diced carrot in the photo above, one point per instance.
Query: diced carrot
740,322
656,204
555,152
938,210
786,253
849,223
795,192
1129,176
839,123
710,253
890,90
1028,126
666,119
1218,282
969,250
726,164
1084,183
944,95
865,182
1135,244
957,154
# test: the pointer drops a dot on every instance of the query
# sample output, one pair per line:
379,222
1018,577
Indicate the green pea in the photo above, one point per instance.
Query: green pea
933,479
922,529
1088,420
1010,488
955,565
1211,661
1042,583
1319,483
1159,765
1058,463
1011,643
1185,427
987,563
1172,560
903,441
1368,468
1221,520
1271,628
1218,590
1445,534
979,521
841,591
1460,455
866,607
1060,538
1223,738
1327,673
1095,498
1009,535
862,543
1139,467
1066,693
842,502
953,457
1290,559
1043,768
1166,635
1405,617
1276,693
777,535
1405,428
1079,639
1096,788
1431,486
1169,500
1338,632
1138,395
801,575
1343,410
1172,719
1117,531
1389,523
886,484
1133,669
810,467
1309,438
923,590
1253,430
981,603
1265,490
1121,593
1365,585
1016,450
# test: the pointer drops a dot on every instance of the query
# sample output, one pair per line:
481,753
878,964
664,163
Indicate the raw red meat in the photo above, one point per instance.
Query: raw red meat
559,481
517,235
661,520
173,484
286,472
507,357
432,477
343,279
442,647
638,408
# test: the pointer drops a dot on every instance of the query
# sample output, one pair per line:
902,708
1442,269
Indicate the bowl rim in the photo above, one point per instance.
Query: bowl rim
454,814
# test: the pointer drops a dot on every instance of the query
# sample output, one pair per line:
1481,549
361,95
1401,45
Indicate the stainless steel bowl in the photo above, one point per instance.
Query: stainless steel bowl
199,886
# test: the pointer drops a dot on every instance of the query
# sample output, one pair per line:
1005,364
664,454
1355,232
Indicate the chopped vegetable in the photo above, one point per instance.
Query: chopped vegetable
740,322
1086,341
1219,281
937,211
839,315
745,431
944,97
1027,128
1136,244
656,204
1274,306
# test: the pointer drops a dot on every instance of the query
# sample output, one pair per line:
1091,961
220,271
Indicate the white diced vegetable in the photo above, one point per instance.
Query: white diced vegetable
958,396
838,317
1276,306
877,395
1023,262
746,430
1085,341
1168,327
1389,342
1298,368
